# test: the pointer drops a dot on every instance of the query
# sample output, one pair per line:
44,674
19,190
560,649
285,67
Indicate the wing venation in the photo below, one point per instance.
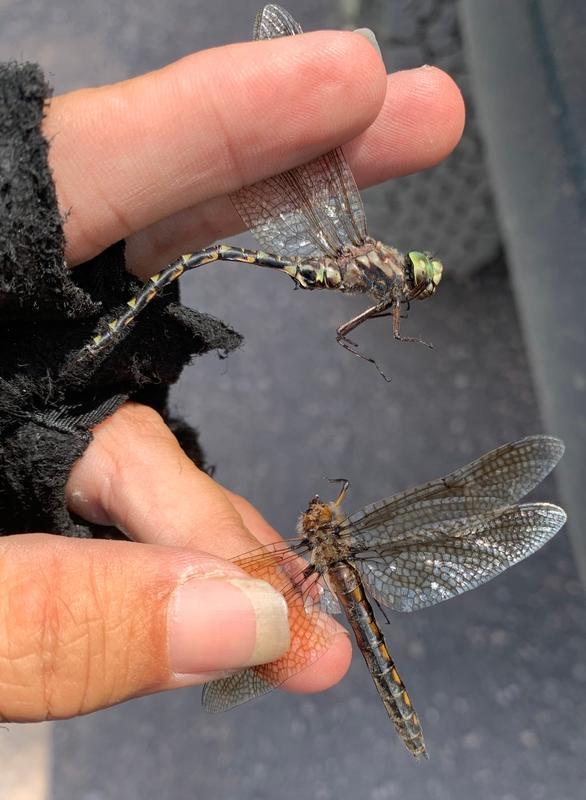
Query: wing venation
447,559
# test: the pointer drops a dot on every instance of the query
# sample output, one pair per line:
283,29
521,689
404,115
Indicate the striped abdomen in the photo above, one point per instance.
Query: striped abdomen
345,582
157,283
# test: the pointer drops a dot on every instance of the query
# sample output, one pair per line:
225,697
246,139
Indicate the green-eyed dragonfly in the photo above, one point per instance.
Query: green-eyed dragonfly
312,221
409,551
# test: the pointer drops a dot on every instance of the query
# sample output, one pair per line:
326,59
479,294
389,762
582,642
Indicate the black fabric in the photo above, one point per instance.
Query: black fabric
33,276
49,399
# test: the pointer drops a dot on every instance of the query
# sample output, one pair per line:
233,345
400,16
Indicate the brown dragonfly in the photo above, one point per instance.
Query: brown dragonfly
409,551
311,220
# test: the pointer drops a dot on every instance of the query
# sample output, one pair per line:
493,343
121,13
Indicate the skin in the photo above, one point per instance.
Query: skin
85,624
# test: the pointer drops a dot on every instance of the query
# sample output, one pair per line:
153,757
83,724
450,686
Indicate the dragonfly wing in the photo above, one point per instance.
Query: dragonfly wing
313,209
328,601
495,480
227,693
311,629
418,519
274,21
447,559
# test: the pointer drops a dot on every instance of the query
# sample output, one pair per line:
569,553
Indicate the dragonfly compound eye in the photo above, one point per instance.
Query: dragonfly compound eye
426,273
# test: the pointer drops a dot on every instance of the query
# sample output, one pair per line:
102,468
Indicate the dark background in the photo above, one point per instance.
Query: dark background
498,676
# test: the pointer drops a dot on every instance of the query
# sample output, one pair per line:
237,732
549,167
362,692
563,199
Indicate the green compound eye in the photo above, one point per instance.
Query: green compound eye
437,270
427,273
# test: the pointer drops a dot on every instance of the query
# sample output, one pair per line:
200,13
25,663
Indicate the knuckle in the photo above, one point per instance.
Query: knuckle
130,420
144,418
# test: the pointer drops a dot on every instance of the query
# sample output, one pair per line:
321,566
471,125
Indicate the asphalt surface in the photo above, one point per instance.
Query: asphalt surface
498,676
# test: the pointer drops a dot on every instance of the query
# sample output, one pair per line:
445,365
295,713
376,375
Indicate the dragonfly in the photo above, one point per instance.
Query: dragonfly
409,551
311,221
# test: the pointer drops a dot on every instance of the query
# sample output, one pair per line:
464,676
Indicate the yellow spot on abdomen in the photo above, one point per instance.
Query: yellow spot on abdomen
384,652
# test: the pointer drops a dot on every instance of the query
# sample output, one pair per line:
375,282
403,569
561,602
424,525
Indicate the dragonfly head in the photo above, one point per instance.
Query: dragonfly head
423,273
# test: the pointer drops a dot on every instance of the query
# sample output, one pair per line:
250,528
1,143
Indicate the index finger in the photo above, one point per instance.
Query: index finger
128,155
419,124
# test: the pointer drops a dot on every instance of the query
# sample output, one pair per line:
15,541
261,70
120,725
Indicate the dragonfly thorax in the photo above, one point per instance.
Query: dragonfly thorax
318,515
319,526
370,268
375,269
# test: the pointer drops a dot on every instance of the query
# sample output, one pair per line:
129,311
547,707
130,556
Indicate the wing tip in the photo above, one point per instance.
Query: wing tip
554,512
552,443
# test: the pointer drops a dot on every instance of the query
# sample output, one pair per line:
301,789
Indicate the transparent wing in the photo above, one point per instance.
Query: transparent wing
311,629
327,600
495,480
274,21
310,210
441,560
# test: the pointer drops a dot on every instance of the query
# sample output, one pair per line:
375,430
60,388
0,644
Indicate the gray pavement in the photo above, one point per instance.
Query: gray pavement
498,676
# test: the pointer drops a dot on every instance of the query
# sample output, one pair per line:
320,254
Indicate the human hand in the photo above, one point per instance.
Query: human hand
86,624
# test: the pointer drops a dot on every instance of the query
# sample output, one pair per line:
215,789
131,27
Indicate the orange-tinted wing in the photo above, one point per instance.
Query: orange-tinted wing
311,629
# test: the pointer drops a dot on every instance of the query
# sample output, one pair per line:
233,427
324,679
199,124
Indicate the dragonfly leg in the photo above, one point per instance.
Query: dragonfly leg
343,491
352,347
382,611
397,325
390,313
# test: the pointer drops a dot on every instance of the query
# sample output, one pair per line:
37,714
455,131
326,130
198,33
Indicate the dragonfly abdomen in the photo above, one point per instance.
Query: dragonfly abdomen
313,274
346,583
157,283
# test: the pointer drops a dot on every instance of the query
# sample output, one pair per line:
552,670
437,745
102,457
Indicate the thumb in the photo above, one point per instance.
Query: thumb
86,624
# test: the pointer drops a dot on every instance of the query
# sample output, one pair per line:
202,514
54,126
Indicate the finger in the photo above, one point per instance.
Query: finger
253,520
419,124
127,155
86,624
135,476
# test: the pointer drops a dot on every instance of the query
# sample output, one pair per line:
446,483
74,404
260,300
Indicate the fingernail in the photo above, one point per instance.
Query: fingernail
368,34
226,623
